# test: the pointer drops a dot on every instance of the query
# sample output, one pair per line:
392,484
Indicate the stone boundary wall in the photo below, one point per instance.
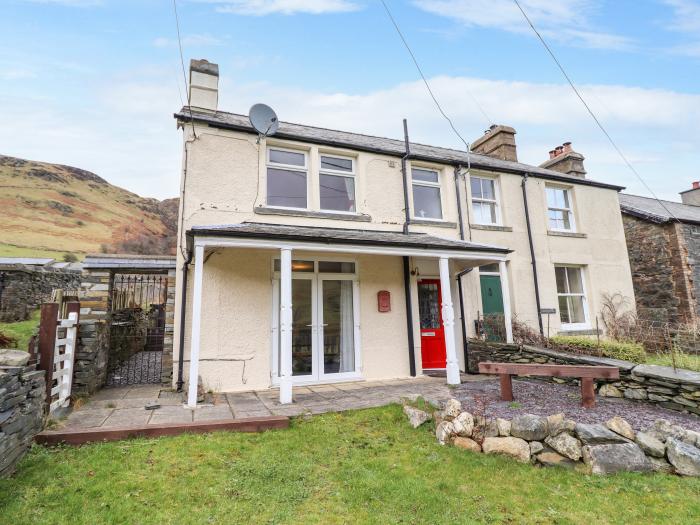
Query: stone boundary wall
676,390
22,396
23,288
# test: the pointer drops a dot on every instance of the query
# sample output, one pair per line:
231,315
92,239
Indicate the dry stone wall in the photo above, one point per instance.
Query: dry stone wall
22,402
673,389
23,288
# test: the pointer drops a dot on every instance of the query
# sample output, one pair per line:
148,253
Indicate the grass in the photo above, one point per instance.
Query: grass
683,360
10,250
364,466
22,330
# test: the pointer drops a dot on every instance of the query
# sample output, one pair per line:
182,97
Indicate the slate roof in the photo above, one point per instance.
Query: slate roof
341,236
113,261
28,261
394,147
650,209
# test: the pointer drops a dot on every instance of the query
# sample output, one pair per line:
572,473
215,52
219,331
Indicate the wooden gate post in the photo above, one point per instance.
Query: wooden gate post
47,342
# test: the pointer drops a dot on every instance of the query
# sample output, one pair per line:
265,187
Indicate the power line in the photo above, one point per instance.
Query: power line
427,85
182,63
590,111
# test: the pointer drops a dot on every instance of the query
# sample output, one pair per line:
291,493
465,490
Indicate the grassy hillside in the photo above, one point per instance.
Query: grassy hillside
50,210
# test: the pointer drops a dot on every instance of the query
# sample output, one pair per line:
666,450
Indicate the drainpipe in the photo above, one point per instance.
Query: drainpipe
183,312
406,260
465,343
532,257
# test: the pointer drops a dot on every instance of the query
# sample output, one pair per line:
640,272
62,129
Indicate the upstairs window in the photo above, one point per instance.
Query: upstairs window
427,203
484,200
560,209
572,295
286,178
337,183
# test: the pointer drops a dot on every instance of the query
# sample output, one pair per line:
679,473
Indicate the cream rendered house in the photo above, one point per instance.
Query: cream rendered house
299,264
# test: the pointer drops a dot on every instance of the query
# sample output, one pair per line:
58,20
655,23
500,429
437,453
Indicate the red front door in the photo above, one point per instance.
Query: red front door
432,333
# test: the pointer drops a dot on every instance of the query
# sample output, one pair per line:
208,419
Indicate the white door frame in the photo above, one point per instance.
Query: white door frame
317,375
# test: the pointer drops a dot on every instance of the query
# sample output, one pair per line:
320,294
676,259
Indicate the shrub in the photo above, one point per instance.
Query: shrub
6,341
70,257
626,351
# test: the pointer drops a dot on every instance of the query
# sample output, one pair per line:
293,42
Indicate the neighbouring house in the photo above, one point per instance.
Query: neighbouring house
317,255
663,241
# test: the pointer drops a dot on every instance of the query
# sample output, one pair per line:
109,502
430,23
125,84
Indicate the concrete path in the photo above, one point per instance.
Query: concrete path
125,406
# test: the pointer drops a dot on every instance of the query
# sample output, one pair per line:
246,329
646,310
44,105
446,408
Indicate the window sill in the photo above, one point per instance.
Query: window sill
438,223
555,233
267,210
578,331
491,227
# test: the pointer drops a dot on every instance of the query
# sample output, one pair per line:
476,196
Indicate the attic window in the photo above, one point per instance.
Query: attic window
286,178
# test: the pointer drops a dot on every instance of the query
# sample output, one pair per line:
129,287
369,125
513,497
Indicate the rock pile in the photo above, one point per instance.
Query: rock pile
556,441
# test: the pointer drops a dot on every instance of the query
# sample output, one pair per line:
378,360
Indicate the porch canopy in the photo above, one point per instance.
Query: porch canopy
335,240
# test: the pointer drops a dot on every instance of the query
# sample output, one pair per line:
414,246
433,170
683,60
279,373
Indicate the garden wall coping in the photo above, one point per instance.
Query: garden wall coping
667,373
626,366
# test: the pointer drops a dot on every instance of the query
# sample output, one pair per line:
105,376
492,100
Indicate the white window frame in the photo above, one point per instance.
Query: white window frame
316,277
289,167
569,210
437,185
496,201
337,173
587,322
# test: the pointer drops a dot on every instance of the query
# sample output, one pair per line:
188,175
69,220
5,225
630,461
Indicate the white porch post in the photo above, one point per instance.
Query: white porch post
505,291
448,322
195,336
285,325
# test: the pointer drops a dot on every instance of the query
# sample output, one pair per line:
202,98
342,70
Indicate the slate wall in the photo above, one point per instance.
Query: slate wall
22,402
24,288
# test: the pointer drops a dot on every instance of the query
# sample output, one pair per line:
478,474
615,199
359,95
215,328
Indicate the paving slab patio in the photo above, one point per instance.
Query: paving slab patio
125,406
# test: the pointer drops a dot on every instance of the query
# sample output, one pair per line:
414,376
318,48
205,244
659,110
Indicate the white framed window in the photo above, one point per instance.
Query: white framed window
560,209
427,202
485,204
571,294
336,180
287,173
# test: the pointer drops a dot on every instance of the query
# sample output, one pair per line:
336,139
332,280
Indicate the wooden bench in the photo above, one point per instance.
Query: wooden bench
586,374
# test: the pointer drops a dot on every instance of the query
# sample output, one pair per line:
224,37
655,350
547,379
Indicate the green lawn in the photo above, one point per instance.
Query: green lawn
683,360
22,330
356,467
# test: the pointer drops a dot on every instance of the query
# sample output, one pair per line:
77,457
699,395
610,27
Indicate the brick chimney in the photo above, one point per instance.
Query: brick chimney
204,85
692,196
565,160
498,142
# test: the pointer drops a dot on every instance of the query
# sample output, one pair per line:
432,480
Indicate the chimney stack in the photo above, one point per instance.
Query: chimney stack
692,196
565,160
204,85
498,142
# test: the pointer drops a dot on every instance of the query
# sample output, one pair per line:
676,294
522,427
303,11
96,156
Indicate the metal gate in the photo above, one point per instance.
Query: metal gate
137,329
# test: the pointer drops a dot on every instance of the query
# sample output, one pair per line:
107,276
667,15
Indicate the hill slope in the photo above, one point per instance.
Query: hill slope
51,209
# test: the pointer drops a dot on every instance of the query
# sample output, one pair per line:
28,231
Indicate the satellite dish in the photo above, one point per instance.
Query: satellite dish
263,119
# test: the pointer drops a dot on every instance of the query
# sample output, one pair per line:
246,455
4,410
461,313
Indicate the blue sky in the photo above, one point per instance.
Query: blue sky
94,83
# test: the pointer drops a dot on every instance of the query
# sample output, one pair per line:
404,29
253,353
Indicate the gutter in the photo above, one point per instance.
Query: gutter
465,342
406,259
532,257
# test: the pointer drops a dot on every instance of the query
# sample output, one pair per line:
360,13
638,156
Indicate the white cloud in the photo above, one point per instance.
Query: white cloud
566,21
125,132
685,20
285,7
686,16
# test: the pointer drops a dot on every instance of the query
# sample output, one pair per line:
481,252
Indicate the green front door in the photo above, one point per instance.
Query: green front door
492,306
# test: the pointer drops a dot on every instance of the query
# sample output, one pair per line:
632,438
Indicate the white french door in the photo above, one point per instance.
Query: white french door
325,327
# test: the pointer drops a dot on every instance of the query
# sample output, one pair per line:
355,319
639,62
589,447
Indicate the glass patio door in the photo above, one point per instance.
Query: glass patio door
324,327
